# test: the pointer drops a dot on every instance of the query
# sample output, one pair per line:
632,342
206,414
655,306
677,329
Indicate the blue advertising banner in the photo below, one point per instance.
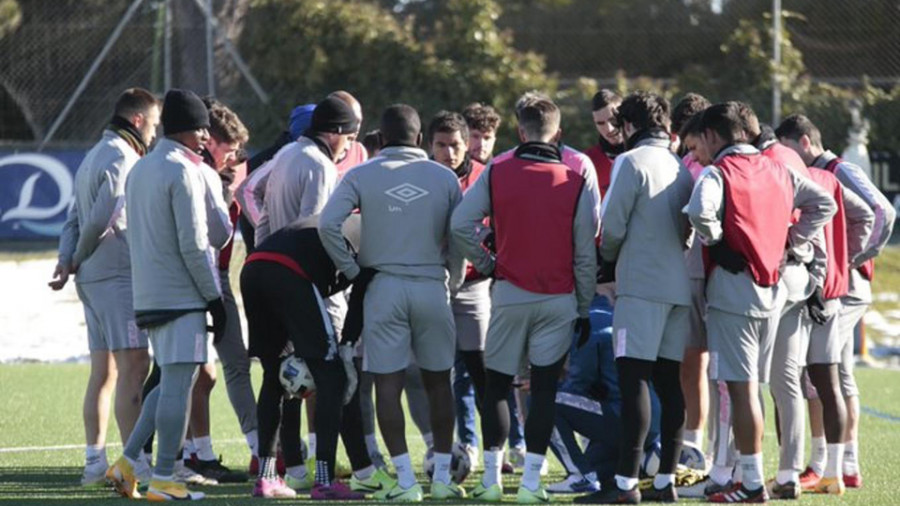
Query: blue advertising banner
36,190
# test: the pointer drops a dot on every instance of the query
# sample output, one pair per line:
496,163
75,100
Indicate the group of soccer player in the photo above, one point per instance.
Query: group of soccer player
627,294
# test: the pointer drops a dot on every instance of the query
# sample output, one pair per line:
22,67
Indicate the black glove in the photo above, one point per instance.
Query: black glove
597,391
353,324
606,273
727,258
583,329
815,304
490,242
216,309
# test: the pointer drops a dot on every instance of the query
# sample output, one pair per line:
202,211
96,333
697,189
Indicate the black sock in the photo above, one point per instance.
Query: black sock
634,377
330,381
539,425
495,415
667,382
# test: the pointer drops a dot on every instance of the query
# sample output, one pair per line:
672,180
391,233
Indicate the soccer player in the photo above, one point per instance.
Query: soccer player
355,153
544,283
94,248
284,283
405,201
610,143
483,122
175,284
742,207
642,248
800,134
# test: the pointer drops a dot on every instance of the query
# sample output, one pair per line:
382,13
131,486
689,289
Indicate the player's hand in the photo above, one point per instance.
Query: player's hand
606,273
815,304
60,276
216,309
583,329
490,242
727,258
347,352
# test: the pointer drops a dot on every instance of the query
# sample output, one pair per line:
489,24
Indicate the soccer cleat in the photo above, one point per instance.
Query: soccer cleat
337,491
526,496
853,480
487,494
574,484
299,484
253,468
161,491
473,453
831,486
740,495
516,456
697,489
274,488
789,490
809,478
94,475
665,494
121,475
610,493
507,468
441,490
714,488
400,494
379,480
186,475
214,470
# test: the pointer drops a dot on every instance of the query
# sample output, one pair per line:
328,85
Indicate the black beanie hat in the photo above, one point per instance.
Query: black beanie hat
335,116
183,111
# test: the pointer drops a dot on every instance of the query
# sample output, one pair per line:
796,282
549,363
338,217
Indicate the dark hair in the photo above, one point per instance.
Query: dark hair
371,142
693,126
604,98
539,119
481,117
400,124
689,106
135,101
448,122
749,120
796,126
725,120
224,124
644,110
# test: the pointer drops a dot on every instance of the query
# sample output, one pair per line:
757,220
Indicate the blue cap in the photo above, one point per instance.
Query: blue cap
301,119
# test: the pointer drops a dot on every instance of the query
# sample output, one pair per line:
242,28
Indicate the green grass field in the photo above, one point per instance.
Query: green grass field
41,408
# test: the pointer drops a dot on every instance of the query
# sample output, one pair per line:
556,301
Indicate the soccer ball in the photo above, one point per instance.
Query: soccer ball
460,464
692,457
650,463
296,378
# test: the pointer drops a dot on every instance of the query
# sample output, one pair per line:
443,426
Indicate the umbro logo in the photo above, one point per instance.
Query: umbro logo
406,193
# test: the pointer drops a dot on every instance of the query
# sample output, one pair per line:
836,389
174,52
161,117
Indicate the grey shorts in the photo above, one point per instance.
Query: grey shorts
851,314
109,315
826,341
403,314
181,341
539,333
645,329
740,346
472,313
697,315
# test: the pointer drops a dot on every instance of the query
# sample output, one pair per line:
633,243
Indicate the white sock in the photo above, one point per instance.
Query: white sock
738,471
694,438
312,445
851,458
364,473
493,460
591,477
403,466
442,468
835,459
157,477
626,483
429,440
147,457
721,474
752,471
94,455
785,476
531,474
189,449
818,455
204,448
372,443
661,481
252,438
297,472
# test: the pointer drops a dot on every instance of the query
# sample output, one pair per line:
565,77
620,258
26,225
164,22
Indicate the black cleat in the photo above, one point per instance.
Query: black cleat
610,493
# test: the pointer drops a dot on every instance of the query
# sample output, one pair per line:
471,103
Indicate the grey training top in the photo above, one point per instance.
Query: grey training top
405,201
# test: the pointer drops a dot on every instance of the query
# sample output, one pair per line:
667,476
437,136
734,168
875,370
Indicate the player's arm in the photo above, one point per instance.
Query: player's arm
456,259
704,209
189,211
860,224
316,186
252,192
105,209
817,208
620,202
218,221
593,188
343,201
67,241
856,181
817,266
585,261
467,227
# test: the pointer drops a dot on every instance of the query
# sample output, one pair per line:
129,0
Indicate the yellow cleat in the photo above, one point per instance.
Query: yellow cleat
831,486
121,475
161,491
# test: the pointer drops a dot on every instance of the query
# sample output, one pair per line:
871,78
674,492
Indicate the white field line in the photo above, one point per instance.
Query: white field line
26,449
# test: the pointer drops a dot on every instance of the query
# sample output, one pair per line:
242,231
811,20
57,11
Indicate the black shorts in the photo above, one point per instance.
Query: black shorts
281,306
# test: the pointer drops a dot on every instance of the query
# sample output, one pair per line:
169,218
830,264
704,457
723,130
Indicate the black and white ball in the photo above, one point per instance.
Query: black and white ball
296,378
650,462
460,464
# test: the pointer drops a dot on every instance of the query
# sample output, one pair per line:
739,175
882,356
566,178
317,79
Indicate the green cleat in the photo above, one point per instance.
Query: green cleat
487,494
400,494
380,480
539,496
440,490
299,484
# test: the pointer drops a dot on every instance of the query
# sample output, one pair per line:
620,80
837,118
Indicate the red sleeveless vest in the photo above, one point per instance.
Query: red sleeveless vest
602,165
837,278
356,154
868,268
758,205
533,211
465,182
779,153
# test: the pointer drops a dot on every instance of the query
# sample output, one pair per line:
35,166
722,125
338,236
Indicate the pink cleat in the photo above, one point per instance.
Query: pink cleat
272,489
337,491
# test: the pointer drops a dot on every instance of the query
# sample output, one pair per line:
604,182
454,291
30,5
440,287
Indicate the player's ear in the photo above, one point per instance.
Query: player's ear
419,139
